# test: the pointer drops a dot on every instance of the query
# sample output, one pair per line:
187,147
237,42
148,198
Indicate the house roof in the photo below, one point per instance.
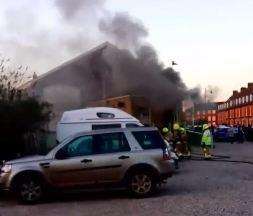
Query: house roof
89,52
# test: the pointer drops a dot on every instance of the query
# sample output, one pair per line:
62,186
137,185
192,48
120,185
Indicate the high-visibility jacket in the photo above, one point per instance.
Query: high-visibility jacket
207,138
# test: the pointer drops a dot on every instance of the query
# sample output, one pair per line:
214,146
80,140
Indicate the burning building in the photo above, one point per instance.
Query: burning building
107,71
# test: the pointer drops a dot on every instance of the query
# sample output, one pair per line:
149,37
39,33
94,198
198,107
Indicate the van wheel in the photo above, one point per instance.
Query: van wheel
141,184
30,190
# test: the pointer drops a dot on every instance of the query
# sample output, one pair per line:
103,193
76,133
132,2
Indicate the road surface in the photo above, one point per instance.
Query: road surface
200,188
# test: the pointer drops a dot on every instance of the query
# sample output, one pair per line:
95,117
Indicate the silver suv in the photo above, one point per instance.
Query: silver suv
136,157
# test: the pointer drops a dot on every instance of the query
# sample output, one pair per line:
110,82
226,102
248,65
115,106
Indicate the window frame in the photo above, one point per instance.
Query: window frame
71,141
134,134
112,152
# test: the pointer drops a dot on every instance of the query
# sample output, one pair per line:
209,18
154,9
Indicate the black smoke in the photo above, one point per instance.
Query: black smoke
141,73
85,24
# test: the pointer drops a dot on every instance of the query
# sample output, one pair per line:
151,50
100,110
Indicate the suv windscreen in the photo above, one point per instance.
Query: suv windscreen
149,139
110,143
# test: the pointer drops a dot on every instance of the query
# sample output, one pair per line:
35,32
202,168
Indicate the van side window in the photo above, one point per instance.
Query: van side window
110,143
105,126
131,125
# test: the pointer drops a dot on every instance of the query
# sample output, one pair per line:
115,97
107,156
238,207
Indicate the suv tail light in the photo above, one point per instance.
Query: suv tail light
166,154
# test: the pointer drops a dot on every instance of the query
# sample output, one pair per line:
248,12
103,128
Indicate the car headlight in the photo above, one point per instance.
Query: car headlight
6,168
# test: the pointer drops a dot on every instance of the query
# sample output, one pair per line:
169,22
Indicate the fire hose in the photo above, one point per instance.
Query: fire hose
219,158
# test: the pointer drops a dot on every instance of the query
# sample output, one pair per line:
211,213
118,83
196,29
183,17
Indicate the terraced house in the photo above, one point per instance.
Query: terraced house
238,109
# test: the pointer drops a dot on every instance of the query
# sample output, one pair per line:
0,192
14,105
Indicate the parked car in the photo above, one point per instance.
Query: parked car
137,158
94,118
221,134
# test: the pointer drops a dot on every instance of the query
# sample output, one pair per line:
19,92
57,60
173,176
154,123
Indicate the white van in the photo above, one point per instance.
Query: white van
93,119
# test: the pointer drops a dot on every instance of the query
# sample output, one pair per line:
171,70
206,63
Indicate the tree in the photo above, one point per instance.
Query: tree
20,115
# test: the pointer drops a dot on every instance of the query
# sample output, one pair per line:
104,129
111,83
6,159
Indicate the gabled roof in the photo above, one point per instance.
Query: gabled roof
84,55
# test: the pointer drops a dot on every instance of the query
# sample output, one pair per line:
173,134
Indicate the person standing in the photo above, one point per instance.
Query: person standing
241,136
231,135
206,141
168,136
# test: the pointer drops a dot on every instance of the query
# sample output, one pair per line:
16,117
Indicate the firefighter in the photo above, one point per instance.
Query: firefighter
206,141
177,144
185,149
167,135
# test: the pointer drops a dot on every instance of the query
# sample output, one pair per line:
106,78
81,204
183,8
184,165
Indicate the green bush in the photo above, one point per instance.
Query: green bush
20,115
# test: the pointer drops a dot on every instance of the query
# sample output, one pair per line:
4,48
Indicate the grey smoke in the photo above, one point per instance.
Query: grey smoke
195,95
141,73
71,8
85,24
212,93
123,30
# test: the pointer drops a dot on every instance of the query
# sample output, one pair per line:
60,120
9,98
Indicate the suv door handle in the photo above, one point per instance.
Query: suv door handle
45,165
86,161
123,157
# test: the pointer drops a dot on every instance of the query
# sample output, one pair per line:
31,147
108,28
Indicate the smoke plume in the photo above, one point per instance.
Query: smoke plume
85,24
123,30
70,9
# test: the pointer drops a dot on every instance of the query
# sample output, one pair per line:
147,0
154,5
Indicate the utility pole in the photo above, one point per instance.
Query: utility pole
206,110
176,116
193,115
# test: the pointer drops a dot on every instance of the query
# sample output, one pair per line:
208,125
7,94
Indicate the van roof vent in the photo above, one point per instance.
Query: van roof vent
104,115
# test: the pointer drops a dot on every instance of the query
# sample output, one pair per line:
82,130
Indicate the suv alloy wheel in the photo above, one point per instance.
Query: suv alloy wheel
141,184
30,189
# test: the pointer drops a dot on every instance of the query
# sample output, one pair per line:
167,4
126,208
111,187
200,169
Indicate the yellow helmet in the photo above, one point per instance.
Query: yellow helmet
176,126
182,130
205,126
165,130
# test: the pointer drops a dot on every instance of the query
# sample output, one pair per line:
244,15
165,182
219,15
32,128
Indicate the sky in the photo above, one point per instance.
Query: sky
211,40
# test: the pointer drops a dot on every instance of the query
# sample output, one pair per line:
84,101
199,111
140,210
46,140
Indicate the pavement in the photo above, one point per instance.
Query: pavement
199,188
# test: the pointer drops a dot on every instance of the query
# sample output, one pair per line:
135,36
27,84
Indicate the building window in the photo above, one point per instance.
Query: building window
247,99
240,100
236,101
251,97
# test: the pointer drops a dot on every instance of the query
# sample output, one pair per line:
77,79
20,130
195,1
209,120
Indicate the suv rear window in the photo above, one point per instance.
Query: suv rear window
149,139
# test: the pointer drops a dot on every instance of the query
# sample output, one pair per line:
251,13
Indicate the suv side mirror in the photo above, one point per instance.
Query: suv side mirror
61,154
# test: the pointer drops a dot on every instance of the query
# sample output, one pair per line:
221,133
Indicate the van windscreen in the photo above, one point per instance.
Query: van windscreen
105,126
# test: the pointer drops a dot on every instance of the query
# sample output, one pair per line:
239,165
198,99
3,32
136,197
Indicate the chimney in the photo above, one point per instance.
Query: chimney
235,92
250,85
35,76
243,89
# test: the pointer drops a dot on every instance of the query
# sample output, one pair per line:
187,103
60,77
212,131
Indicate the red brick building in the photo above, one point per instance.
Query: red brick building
204,112
238,109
